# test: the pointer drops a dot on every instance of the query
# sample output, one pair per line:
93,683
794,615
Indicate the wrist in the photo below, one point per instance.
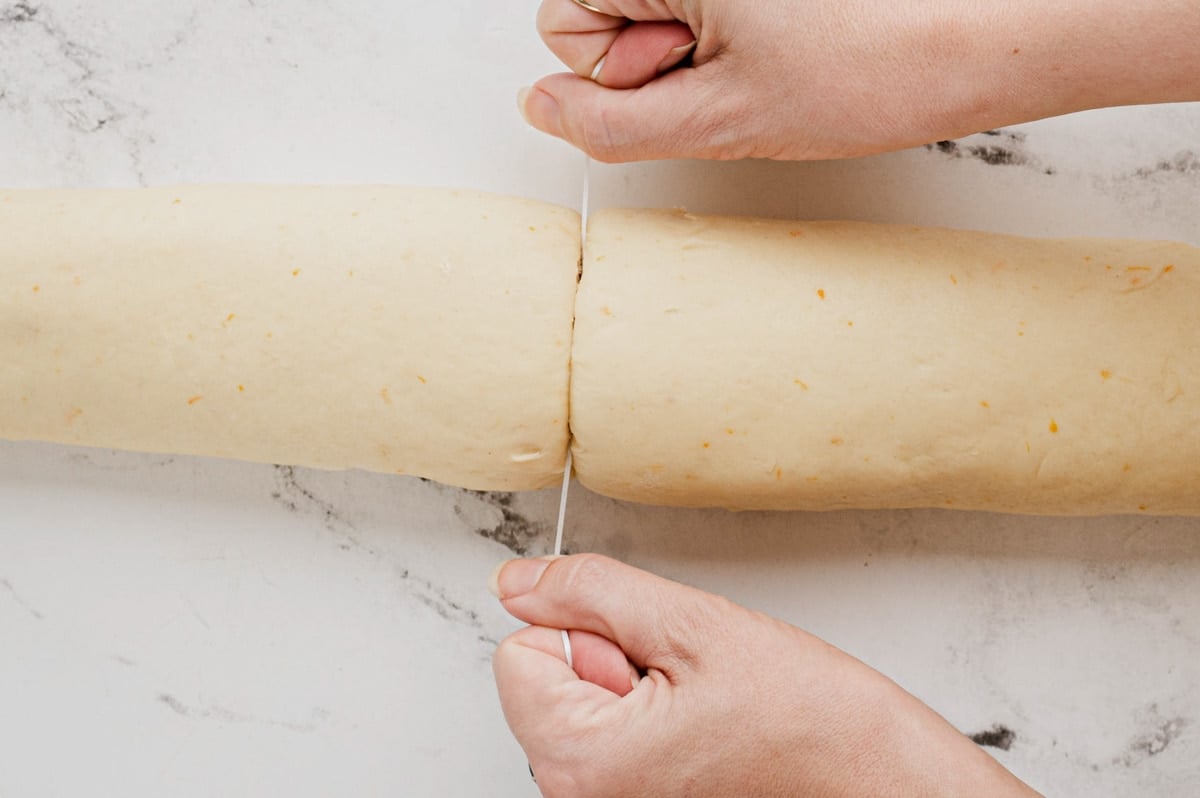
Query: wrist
941,761
1036,60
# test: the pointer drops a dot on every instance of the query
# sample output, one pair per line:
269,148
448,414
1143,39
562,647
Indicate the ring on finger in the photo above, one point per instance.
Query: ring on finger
588,6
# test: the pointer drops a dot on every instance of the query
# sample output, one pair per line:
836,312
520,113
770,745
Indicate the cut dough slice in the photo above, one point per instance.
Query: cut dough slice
773,365
408,331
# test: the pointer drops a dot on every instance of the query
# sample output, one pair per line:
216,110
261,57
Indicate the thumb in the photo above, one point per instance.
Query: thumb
678,115
660,625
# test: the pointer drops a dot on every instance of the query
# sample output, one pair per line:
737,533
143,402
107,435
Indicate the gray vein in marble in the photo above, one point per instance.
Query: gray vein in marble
999,736
515,531
994,148
84,105
1184,162
22,603
302,500
435,598
114,461
18,13
318,716
89,111
1152,742
297,498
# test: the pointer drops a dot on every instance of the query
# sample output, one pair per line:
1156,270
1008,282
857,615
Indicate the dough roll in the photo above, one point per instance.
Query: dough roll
406,331
773,365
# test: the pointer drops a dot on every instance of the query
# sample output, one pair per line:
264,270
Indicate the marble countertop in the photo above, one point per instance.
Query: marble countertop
176,626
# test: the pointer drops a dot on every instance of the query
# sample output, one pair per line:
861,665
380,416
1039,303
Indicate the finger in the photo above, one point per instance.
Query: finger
594,659
659,624
537,687
642,52
584,40
577,36
600,661
681,114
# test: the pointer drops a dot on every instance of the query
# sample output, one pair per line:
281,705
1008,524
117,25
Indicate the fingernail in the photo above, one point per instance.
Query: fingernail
516,577
494,579
635,678
540,110
674,57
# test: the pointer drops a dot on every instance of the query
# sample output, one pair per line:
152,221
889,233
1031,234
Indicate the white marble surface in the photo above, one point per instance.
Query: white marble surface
173,626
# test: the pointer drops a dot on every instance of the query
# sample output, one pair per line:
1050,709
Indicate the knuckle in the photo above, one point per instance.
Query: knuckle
502,654
600,134
545,20
586,575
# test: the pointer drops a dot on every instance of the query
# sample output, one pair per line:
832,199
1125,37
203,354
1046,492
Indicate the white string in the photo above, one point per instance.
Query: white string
566,481
562,506
584,206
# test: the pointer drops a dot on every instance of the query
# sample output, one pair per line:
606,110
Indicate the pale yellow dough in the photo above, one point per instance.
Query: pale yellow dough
717,362
408,331
774,365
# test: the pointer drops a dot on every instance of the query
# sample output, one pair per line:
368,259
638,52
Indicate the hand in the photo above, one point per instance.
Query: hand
679,693
804,79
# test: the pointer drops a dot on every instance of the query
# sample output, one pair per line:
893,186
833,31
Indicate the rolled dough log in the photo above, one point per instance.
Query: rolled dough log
399,330
773,365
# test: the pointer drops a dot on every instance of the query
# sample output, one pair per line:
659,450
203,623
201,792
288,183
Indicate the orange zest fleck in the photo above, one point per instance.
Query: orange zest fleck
849,324
1170,267
74,414
606,310
37,288
954,279
778,474
295,272
1142,507
803,385
1106,374
241,389
821,293
231,317
1137,268
422,380
796,233
837,441
1128,467
1053,426
385,395
729,430
194,400
532,229
985,404
707,445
